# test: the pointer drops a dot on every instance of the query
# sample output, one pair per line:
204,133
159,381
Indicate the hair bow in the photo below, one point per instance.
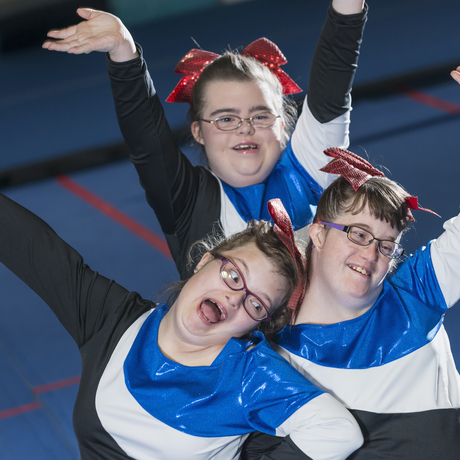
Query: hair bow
357,171
194,62
283,230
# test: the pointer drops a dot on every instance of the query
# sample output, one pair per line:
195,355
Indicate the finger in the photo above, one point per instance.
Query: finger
455,74
62,45
62,33
87,13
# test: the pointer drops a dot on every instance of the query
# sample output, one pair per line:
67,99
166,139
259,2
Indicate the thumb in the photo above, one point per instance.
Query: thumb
86,13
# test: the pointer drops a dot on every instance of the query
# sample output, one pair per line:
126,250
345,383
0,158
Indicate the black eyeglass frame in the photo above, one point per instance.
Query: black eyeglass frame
226,260
215,122
347,228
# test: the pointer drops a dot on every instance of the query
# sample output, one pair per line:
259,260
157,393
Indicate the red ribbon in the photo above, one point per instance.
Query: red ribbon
193,63
357,171
283,229
353,168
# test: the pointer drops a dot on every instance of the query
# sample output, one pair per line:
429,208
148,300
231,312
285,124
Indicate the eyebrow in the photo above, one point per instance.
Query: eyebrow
247,272
238,111
366,227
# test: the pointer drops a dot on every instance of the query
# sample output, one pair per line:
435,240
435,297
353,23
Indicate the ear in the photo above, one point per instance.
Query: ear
317,234
196,132
204,260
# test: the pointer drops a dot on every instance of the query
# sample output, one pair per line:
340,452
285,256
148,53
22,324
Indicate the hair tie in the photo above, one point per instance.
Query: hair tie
283,230
194,62
357,171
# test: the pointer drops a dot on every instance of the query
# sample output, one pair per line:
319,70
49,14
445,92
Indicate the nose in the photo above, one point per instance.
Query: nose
371,252
246,127
236,298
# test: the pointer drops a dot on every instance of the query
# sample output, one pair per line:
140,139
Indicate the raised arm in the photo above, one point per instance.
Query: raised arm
185,198
445,254
79,297
325,117
172,185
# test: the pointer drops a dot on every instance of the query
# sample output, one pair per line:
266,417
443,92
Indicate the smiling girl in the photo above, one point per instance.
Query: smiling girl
239,116
370,331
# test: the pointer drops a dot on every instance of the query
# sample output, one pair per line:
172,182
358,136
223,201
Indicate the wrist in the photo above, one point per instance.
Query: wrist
126,52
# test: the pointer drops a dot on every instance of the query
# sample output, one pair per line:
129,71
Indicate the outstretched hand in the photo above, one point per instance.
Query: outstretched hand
100,31
455,74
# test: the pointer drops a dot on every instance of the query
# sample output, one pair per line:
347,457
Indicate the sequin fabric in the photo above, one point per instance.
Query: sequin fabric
357,171
195,61
354,169
283,229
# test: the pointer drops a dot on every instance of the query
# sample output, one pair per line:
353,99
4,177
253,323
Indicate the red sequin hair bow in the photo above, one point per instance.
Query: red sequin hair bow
282,227
357,171
194,62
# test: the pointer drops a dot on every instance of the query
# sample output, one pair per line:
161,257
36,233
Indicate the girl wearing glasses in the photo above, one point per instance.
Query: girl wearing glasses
189,381
370,331
239,116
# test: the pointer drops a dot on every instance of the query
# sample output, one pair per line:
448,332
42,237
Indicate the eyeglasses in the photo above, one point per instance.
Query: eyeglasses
234,279
232,122
362,237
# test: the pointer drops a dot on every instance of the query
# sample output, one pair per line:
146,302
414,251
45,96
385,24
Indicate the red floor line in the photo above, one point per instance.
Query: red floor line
431,101
19,410
118,216
39,390
56,385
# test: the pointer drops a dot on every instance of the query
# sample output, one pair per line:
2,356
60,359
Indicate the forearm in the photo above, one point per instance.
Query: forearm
348,6
445,255
165,173
31,249
323,429
334,64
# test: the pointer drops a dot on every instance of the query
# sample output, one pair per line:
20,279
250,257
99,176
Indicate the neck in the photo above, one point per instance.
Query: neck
322,307
184,350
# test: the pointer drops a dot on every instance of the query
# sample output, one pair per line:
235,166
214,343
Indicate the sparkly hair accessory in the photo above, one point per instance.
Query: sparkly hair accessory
194,62
357,171
354,169
284,231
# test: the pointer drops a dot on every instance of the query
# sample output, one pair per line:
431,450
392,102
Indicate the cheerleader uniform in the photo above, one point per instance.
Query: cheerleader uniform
393,366
135,403
191,202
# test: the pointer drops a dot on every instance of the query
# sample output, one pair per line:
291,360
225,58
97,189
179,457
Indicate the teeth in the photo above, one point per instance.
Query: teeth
245,147
212,313
361,270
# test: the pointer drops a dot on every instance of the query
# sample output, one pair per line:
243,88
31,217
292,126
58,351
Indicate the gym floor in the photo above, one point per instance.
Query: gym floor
62,157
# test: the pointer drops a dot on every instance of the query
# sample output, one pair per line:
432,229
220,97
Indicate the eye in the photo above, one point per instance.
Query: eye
234,276
262,116
227,119
359,235
256,305
387,246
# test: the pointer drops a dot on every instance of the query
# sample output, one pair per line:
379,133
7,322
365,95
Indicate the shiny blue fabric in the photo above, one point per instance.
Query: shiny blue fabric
407,316
290,182
242,391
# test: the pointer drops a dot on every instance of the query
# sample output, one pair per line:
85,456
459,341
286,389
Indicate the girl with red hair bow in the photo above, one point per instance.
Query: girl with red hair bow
193,379
369,331
239,116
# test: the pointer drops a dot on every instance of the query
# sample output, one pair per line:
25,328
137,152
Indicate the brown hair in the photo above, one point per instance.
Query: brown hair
385,199
234,67
262,235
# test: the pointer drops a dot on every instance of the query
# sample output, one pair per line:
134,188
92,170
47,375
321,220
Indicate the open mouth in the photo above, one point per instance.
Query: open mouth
246,147
360,270
211,311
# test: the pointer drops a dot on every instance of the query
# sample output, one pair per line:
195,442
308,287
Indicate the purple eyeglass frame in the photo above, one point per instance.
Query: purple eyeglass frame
248,292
